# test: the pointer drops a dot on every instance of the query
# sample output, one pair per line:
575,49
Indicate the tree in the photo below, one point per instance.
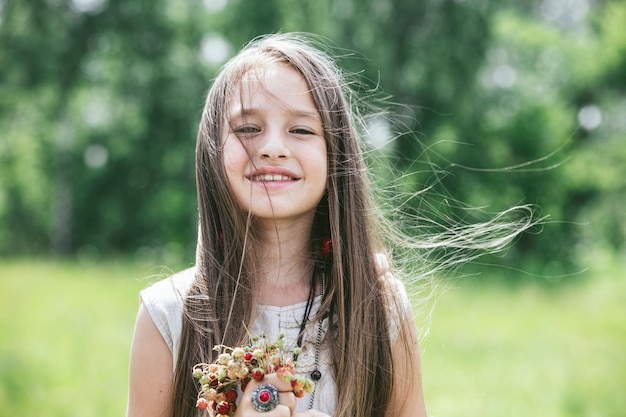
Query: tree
491,104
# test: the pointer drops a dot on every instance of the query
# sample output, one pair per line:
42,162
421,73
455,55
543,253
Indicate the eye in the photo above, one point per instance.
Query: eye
246,130
302,131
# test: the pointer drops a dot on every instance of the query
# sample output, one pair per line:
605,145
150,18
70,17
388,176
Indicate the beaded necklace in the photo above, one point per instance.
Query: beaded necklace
315,375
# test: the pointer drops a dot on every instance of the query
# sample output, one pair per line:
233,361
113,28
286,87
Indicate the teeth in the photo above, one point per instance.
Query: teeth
270,177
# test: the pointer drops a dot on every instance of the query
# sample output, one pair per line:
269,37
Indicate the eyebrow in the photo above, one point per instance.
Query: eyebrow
304,114
292,112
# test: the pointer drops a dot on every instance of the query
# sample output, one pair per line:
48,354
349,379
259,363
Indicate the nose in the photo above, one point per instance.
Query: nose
274,145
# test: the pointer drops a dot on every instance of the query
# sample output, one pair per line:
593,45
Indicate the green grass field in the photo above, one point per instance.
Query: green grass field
492,350
530,351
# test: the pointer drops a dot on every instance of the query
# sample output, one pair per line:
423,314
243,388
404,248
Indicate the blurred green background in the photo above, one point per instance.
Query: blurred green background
510,102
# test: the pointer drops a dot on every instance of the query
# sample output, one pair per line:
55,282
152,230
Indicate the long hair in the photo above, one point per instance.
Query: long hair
220,305
220,300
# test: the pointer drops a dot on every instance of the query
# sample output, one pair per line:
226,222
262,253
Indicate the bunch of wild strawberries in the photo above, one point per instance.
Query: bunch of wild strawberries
237,366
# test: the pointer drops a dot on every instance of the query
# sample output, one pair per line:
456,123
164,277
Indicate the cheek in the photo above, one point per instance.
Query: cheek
234,154
235,159
317,161
236,162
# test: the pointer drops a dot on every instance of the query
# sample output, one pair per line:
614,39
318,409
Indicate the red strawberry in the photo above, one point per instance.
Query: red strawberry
244,383
202,403
258,374
223,408
231,396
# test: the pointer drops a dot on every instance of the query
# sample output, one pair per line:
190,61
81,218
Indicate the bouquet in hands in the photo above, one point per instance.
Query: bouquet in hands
237,366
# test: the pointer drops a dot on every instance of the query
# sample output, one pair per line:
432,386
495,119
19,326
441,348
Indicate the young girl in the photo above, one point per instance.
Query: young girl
287,244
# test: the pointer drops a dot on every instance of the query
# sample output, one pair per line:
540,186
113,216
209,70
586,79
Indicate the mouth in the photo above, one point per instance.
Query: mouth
272,178
273,175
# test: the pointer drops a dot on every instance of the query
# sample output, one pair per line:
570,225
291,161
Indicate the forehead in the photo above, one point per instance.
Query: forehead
276,84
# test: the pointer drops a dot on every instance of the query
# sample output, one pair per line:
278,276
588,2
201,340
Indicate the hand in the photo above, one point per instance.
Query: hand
286,399
310,413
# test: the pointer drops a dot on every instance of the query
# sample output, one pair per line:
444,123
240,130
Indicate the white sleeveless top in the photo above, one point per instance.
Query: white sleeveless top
164,302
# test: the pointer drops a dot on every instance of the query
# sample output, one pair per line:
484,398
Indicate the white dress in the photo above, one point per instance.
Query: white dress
164,302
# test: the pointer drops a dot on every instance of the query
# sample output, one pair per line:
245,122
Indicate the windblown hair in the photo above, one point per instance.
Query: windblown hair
220,305
220,300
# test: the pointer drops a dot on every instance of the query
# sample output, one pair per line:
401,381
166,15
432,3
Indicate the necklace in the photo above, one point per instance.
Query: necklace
315,375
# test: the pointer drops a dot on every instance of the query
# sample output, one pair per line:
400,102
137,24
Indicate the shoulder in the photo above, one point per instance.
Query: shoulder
396,298
169,291
390,283
164,302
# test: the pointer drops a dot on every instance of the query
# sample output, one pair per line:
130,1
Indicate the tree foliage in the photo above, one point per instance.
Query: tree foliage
501,103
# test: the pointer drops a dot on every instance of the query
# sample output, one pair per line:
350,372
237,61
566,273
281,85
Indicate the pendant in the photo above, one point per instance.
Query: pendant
316,375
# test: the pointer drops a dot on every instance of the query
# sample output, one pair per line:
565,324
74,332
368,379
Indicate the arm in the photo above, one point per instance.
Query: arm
151,371
408,396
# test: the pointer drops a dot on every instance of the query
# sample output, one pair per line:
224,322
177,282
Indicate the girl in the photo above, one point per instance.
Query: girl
287,243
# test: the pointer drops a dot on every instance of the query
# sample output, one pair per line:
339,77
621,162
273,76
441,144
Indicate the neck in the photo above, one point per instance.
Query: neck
285,267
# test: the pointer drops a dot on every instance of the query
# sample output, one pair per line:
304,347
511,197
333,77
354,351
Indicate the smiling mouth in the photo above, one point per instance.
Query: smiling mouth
272,177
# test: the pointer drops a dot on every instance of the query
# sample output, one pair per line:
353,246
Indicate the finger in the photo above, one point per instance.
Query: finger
272,379
285,391
281,410
309,413
280,385
287,399
286,403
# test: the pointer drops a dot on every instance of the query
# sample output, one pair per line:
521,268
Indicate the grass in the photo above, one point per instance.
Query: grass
492,351
66,330
496,351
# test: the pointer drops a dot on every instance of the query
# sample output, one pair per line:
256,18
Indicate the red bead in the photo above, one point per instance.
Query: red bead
327,247
264,396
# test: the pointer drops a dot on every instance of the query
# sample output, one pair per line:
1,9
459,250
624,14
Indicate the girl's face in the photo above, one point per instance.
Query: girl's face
274,150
